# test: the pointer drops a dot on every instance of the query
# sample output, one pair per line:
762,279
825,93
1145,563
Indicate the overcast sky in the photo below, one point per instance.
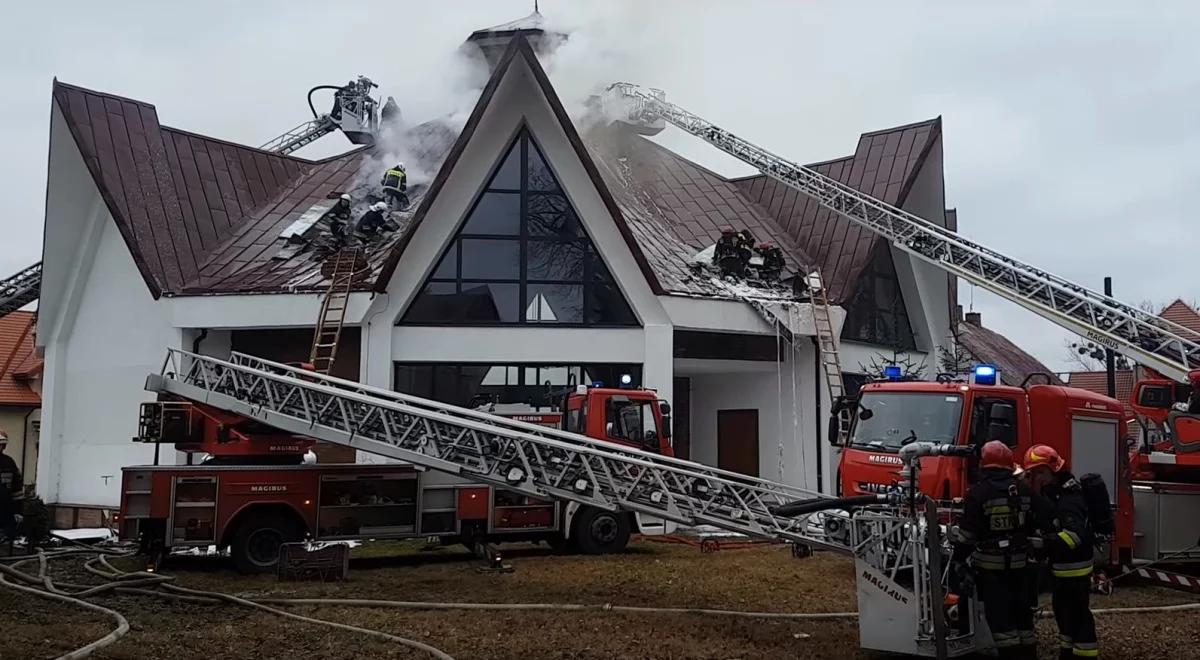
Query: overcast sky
1071,129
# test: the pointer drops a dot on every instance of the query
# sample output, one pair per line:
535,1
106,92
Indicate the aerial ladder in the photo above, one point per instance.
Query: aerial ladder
20,289
354,112
895,538
1161,345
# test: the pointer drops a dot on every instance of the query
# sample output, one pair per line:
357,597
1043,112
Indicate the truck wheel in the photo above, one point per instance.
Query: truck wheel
255,545
599,532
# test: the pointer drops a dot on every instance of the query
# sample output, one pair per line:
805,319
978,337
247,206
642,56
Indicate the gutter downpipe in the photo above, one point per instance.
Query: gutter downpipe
25,445
817,408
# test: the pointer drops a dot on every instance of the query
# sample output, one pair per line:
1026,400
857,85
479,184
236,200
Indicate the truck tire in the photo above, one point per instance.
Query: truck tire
598,532
255,544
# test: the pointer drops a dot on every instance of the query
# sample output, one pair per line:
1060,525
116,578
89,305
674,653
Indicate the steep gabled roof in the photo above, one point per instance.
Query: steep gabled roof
884,165
990,347
174,195
18,360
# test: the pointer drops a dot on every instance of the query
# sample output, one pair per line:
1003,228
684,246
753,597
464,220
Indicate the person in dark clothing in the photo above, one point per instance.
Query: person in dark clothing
339,217
373,220
994,532
395,187
11,486
1062,519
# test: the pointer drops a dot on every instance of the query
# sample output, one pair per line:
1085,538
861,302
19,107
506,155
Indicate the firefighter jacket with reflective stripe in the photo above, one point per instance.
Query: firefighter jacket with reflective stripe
395,179
996,522
1063,524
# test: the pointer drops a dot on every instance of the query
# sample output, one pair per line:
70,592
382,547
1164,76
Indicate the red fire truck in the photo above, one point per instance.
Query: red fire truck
1087,429
253,492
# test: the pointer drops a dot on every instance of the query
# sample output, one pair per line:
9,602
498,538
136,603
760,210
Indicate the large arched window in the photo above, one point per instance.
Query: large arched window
521,257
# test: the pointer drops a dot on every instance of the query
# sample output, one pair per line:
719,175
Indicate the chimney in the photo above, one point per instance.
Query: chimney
958,313
975,319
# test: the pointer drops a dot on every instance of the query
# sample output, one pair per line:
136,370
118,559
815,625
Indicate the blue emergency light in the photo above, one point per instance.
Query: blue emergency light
985,374
597,383
893,372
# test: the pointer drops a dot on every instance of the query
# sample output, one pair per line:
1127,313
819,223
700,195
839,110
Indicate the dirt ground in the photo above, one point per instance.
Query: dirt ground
650,574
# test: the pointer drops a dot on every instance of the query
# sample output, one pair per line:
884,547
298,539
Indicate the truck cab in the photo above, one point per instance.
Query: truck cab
1087,429
893,414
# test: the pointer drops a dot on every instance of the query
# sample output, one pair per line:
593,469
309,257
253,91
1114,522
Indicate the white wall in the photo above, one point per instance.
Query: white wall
925,286
785,399
96,369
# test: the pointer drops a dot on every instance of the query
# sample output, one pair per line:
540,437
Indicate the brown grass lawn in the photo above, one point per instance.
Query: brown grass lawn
650,574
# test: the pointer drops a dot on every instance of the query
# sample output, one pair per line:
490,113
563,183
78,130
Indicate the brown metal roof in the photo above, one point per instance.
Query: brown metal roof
174,195
884,165
203,216
990,347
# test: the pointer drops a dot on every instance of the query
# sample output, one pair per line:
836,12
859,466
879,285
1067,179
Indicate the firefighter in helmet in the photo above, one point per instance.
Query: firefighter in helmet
395,187
993,533
1062,519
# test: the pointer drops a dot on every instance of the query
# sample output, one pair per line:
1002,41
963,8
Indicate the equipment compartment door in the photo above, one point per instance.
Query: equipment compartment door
367,504
1094,449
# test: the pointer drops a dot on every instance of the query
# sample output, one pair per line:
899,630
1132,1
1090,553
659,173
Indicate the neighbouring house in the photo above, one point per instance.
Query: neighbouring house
541,249
980,345
20,391
1179,313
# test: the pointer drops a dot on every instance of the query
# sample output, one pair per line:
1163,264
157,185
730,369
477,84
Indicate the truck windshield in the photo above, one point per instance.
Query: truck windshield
633,421
897,419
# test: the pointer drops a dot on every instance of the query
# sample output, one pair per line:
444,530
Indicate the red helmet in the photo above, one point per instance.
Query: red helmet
1043,455
996,454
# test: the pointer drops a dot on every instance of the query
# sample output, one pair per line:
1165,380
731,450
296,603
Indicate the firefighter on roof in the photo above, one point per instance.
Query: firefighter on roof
395,186
1063,519
994,532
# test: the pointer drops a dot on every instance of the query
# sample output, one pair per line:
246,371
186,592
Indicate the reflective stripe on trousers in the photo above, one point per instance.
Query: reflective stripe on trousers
1072,569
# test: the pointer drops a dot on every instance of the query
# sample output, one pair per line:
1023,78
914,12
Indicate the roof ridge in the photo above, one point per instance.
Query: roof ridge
231,143
883,131
58,83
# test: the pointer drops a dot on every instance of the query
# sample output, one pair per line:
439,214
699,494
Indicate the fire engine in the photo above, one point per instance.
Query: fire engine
1089,430
252,492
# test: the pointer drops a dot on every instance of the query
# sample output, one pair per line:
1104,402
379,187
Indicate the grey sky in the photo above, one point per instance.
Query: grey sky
1071,129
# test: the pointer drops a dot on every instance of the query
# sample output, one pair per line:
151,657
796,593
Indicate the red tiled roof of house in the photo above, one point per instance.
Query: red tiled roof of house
1183,314
18,360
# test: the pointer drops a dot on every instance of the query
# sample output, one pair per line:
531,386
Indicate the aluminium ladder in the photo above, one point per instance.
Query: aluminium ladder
528,458
20,289
302,135
328,332
831,363
1151,340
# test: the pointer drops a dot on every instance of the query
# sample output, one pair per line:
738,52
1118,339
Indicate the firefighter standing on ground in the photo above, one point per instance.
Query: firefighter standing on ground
395,186
1068,536
994,532
10,488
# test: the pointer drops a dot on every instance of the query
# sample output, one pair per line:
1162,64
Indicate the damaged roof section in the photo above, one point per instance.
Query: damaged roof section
884,165
204,216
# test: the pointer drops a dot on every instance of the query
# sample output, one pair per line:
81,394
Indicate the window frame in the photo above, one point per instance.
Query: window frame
594,275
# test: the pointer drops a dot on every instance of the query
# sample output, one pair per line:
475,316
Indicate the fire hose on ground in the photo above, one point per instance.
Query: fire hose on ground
140,582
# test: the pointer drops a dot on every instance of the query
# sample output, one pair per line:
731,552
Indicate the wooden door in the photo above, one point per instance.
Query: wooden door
737,441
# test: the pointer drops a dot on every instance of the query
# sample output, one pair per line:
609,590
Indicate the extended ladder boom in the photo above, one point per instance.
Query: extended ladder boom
20,289
304,134
528,458
1151,340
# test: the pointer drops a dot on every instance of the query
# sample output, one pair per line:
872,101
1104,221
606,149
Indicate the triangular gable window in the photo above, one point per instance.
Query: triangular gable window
522,256
876,314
